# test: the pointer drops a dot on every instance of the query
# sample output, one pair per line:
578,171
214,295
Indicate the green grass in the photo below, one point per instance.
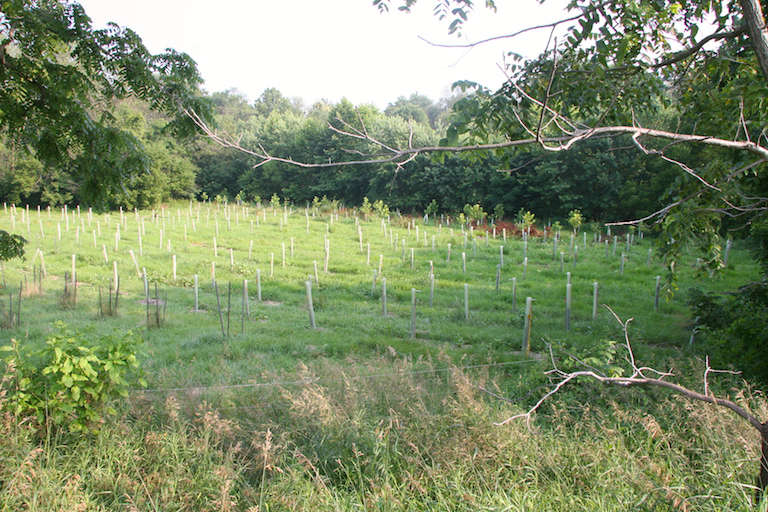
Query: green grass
361,415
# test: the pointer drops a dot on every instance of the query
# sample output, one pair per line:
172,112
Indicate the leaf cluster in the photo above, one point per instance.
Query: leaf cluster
71,382
11,246
58,76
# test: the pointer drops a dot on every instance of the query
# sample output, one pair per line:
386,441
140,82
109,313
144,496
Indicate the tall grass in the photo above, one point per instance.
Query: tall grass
356,414
401,441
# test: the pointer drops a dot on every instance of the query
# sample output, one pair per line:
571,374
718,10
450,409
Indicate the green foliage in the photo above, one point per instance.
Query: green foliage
498,212
274,202
732,327
432,208
575,219
57,73
11,246
525,219
366,208
474,213
71,382
381,209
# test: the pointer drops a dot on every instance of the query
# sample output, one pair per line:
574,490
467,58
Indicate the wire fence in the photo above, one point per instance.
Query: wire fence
302,382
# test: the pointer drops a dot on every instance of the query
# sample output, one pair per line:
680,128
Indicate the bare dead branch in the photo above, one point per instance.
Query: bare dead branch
688,170
571,136
512,35
638,378
549,88
692,50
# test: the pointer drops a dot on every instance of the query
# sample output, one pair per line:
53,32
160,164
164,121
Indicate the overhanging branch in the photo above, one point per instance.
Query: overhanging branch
557,143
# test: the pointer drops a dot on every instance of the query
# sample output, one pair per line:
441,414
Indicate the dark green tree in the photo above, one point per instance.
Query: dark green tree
58,75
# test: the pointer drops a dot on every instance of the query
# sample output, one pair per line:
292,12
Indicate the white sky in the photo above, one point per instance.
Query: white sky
327,49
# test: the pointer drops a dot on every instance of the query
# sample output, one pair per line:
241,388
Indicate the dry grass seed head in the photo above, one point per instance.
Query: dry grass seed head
172,408
314,403
211,420
224,501
466,392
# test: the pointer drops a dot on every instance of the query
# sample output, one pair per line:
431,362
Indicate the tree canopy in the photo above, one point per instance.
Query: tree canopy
58,78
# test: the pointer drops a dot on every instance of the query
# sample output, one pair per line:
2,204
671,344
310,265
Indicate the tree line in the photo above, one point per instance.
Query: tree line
603,178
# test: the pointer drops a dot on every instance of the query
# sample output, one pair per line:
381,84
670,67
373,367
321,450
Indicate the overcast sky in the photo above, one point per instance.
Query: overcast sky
327,49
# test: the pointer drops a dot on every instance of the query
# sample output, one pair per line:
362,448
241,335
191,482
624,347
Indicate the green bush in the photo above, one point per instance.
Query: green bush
11,246
72,380
732,328
575,219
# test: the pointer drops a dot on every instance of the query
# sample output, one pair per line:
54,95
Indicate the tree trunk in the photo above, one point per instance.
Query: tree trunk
758,32
762,479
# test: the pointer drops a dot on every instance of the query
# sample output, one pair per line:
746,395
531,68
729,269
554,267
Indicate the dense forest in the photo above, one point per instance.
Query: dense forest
604,178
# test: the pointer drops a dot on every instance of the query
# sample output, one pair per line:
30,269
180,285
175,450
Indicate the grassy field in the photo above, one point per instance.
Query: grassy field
263,412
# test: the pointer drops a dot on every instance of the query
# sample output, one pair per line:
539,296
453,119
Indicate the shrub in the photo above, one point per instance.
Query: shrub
11,246
525,219
366,208
381,209
732,332
474,213
575,219
71,381
498,212
431,209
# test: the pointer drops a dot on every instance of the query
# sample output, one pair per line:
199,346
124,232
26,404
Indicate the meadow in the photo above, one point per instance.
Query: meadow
248,406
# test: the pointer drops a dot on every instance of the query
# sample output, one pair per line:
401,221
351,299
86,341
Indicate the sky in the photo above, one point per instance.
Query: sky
328,49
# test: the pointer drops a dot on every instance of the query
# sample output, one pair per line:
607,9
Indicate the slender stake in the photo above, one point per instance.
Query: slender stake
527,328
197,293
18,308
568,306
431,289
658,289
309,304
247,298
466,302
146,296
218,307
74,275
514,293
594,300
384,296
413,313
243,307
229,304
